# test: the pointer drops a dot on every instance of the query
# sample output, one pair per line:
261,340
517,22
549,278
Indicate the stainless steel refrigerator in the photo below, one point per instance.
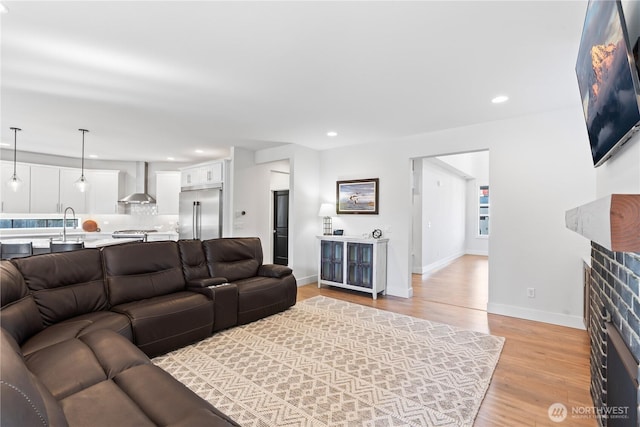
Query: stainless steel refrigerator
200,214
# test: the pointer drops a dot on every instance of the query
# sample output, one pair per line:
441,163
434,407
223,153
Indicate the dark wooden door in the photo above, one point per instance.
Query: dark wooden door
281,227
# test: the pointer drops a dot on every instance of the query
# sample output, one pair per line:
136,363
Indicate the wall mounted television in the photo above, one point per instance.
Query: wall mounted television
608,80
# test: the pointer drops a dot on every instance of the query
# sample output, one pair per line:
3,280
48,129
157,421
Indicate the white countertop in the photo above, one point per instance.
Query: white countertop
88,243
345,238
57,232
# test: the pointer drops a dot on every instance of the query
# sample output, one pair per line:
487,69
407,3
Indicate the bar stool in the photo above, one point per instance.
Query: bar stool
15,250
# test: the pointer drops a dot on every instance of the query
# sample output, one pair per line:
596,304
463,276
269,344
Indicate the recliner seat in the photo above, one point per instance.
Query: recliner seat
145,282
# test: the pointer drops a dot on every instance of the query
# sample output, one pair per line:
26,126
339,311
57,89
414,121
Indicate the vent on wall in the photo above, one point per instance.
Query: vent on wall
141,196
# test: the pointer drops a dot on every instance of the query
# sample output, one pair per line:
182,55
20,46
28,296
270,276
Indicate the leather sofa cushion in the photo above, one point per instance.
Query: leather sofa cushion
13,286
76,364
136,271
141,396
66,368
164,323
65,284
104,405
234,258
167,401
19,314
194,263
115,353
29,401
259,297
79,326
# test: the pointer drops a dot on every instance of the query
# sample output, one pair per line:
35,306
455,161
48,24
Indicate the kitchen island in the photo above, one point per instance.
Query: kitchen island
42,245
41,238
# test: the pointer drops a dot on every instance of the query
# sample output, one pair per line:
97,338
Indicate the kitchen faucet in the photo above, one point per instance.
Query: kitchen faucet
64,223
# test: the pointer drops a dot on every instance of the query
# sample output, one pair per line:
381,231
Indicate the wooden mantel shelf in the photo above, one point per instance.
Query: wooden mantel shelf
613,222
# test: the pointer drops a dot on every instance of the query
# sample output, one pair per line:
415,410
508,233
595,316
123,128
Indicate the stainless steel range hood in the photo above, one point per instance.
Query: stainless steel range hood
140,196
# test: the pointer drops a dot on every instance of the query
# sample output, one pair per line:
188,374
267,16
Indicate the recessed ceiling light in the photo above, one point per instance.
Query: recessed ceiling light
3,8
93,156
170,158
199,151
332,134
5,144
500,99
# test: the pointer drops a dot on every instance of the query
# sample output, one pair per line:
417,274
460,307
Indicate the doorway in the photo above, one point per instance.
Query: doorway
281,227
450,251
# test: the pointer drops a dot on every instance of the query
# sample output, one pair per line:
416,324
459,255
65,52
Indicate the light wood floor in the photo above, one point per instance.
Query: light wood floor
540,364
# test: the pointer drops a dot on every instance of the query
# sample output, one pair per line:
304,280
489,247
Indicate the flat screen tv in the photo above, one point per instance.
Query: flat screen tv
607,79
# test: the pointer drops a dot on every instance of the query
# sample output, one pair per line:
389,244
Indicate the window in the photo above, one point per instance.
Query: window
483,211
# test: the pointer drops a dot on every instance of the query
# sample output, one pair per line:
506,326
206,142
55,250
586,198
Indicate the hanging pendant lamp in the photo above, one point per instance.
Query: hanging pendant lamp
81,183
14,182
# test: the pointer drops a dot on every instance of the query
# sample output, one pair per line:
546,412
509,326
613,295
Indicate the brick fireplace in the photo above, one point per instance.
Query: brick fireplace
613,303
614,297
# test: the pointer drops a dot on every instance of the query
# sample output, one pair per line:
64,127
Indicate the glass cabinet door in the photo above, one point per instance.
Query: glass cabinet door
360,264
331,260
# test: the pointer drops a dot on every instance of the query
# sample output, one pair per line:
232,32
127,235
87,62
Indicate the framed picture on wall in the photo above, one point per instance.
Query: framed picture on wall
357,196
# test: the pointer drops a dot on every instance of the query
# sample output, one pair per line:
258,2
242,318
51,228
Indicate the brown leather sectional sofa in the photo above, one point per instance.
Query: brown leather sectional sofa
78,328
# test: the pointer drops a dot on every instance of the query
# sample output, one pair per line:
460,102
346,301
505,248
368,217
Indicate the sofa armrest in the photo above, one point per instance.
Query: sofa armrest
206,285
274,270
206,282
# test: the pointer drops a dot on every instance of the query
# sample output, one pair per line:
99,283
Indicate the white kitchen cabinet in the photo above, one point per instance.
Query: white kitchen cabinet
53,190
203,174
189,177
70,196
167,192
15,201
212,173
104,191
45,189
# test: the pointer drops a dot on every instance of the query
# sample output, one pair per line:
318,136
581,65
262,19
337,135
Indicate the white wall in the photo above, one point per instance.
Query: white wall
540,167
443,233
304,223
252,194
393,168
475,167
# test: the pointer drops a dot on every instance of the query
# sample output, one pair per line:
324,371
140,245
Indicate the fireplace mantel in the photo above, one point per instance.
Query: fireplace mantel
612,221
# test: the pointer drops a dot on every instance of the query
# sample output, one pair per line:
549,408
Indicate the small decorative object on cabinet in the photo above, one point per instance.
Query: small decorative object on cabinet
359,264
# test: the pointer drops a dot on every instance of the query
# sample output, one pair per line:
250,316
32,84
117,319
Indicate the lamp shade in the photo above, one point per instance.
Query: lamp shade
327,210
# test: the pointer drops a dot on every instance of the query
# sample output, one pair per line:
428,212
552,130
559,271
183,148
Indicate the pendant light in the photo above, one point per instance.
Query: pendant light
14,182
82,184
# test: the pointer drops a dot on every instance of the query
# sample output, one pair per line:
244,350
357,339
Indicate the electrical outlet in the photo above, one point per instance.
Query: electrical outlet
531,292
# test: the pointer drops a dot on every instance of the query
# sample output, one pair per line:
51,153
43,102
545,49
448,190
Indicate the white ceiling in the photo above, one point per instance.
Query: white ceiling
153,79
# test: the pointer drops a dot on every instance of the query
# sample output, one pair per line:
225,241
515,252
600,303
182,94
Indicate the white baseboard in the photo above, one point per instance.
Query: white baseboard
476,252
301,281
430,268
536,315
402,293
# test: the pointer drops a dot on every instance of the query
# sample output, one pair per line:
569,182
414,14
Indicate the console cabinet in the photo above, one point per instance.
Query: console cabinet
353,263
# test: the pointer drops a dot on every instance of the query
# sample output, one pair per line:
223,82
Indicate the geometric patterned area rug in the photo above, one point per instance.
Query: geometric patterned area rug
326,362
